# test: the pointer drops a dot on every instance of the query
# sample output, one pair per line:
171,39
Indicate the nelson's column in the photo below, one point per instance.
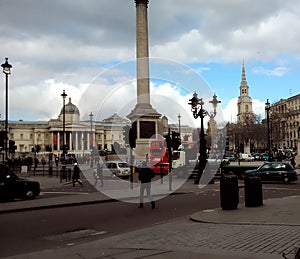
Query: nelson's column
145,120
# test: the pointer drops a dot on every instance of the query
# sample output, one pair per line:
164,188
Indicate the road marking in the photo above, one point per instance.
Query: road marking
76,234
42,193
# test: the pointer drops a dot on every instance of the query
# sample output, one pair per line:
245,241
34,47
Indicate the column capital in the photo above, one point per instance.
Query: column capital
142,2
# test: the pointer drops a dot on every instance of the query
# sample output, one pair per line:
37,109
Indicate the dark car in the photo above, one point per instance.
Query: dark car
13,187
160,168
230,157
275,171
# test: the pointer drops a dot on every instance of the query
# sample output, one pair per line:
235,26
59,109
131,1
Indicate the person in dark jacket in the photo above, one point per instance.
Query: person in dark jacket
76,175
145,176
99,174
293,163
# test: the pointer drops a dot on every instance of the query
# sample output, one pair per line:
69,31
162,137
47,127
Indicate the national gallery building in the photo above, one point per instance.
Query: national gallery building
79,135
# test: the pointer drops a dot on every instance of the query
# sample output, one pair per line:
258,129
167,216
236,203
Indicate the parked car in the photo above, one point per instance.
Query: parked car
246,157
230,157
265,157
275,171
257,156
116,168
212,161
13,187
161,168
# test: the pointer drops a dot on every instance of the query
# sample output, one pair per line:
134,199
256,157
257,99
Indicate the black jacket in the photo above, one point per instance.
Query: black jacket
145,174
76,172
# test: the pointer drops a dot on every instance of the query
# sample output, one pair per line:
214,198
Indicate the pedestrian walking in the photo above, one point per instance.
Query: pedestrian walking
99,174
145,176
76,175
293,163
56,161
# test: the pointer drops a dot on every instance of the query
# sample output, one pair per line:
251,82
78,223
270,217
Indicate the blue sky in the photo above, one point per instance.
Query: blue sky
82,47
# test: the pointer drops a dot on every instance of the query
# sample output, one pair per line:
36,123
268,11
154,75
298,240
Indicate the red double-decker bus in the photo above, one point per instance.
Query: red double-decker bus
158,152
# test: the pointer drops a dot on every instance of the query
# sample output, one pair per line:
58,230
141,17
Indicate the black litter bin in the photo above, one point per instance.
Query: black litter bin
64,174
229,192
253,191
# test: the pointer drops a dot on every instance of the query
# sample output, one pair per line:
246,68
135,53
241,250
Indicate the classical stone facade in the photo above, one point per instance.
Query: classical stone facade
79,135
285,123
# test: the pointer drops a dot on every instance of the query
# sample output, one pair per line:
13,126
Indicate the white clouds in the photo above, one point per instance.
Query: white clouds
230,111
67,44
258,108
277,71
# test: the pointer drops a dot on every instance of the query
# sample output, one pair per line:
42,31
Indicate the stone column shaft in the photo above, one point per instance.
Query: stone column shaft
142,53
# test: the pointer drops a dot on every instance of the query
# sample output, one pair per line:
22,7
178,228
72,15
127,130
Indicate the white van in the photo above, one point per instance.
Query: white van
246,157
116,168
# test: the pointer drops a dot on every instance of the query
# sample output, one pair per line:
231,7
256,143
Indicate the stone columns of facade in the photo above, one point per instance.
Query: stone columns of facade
71,141
82,141
52,140
58,140
76,140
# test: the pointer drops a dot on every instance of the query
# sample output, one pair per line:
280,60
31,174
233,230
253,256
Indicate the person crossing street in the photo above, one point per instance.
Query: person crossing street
76,175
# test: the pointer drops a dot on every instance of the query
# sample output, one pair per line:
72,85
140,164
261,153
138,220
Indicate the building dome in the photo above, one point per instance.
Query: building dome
70,108
72,113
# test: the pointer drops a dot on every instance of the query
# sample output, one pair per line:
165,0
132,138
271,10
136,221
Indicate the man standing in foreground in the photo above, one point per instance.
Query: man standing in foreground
145,176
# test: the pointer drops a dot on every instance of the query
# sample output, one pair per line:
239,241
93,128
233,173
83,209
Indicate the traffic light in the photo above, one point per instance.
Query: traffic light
168,141
105,148
176,141
38,148
132,135
126,130
11,146
132,138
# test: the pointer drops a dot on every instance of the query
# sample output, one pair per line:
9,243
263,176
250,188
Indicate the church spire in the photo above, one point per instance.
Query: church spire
245,113
244,88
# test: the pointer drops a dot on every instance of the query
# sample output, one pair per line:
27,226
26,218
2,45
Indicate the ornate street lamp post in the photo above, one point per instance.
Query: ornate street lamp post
199,111
64,95
91,140
179,128
6,70
267,108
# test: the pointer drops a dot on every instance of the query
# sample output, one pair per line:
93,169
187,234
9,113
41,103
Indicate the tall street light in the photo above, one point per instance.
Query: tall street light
6,70
64,95
199,111
179,129
91,140
267,108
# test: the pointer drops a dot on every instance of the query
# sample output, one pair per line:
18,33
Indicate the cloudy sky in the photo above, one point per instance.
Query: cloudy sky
87,47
